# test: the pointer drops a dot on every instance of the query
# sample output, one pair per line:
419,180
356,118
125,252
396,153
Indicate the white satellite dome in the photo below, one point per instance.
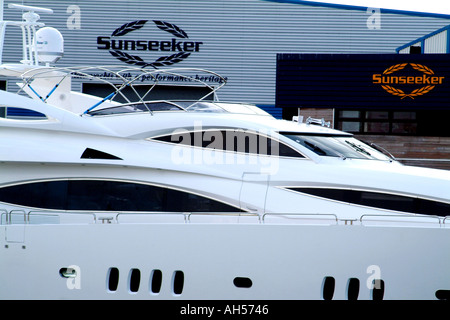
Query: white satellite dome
49,45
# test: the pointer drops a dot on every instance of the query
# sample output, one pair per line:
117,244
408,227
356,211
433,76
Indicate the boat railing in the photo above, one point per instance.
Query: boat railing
300,218
411,219
124,83
90,217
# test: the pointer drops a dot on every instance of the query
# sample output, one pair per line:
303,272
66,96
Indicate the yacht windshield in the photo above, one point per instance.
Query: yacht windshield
343,146
137,107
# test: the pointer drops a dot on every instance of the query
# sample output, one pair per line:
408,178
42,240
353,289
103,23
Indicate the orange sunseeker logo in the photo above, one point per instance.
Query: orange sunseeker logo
393,77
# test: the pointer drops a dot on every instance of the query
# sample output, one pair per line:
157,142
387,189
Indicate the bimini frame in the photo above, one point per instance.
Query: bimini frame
119,78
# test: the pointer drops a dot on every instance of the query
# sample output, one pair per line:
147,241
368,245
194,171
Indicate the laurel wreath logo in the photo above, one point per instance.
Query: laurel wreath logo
414,93
138,61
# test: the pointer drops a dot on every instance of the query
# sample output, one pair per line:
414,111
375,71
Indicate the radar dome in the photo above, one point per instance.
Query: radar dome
49,45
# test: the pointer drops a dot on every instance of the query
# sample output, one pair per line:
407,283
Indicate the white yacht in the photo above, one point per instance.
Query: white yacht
200,200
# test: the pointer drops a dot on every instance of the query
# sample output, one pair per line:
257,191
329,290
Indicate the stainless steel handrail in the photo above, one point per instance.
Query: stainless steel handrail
7,217
401,217
3,213
302,215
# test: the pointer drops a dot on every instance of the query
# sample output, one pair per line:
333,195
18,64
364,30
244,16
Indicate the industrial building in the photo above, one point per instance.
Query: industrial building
244,41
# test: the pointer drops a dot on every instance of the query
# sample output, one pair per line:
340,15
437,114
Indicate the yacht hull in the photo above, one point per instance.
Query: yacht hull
281,261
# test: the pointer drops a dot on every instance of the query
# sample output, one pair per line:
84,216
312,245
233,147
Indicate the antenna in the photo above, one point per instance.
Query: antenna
29,8
28,27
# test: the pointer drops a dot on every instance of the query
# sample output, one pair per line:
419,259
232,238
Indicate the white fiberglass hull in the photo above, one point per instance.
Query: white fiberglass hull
282,261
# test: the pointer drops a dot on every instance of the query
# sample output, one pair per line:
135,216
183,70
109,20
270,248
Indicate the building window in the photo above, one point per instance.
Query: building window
393,122
377,121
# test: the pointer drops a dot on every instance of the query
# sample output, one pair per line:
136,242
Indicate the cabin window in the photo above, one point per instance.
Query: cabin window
236,140
106,195
343,146
380,200
97,154
152,106
16,113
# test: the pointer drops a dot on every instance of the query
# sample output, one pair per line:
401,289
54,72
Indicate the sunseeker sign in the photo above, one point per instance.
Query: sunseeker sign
376,81
171,45
427,80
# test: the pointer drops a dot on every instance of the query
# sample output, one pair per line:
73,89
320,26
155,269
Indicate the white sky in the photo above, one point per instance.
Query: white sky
427,6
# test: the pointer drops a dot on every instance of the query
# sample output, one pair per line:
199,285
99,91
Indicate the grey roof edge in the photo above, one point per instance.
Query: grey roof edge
422,38
361,8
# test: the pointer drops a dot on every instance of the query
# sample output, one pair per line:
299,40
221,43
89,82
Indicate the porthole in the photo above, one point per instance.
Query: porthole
443,294
377,289
242,282
113,279
328,286
353,289
178,282
134,280
155,281
67,272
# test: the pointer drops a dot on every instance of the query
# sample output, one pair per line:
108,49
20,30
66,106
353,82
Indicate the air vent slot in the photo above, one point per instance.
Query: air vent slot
96,154
242,282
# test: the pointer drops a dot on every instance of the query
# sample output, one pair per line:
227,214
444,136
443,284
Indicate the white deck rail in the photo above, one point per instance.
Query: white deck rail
91,217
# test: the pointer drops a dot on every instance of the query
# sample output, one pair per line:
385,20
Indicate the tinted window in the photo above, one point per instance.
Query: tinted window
108,196
137,107
97,154
381,200
337,146
236,140
20,113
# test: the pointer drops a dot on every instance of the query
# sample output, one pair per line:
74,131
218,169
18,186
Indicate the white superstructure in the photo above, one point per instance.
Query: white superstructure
203,200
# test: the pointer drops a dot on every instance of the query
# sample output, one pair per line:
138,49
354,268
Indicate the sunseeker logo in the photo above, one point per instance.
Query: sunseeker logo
390,83
126,49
